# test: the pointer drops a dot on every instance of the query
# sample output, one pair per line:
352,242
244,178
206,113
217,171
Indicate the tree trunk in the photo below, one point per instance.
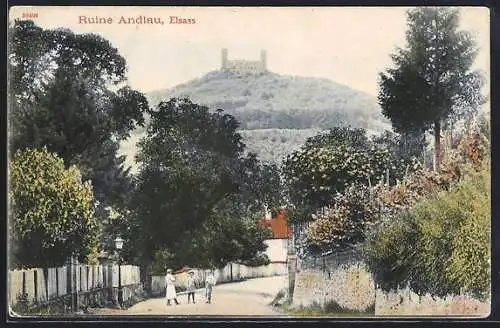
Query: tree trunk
437,144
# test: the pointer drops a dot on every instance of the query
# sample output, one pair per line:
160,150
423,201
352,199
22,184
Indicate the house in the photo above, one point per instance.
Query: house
277,249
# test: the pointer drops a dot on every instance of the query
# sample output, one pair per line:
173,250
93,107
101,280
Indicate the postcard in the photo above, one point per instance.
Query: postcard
249,162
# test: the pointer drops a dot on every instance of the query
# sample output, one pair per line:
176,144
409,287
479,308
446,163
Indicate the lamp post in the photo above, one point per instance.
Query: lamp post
119,245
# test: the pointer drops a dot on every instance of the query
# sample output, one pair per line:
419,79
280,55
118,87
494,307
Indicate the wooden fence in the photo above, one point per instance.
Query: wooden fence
43,285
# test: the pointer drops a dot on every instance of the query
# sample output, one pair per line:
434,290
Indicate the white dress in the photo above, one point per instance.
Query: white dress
170,282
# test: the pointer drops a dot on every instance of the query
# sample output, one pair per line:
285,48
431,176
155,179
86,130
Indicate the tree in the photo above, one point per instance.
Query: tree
405,146
432,81
52,212
60,94
223,239
328,163
193,181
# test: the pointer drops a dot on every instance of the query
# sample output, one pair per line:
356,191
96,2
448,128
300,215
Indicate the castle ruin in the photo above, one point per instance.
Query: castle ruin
244,66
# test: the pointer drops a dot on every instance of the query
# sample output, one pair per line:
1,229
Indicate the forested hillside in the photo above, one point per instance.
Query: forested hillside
276,112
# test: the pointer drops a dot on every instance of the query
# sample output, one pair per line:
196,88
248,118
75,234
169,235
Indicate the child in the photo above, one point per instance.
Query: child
209,284
190,286
171,294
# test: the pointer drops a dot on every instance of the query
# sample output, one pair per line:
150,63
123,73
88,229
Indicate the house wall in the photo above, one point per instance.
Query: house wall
277,249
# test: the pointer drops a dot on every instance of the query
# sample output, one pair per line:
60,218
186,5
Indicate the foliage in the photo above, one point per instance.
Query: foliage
405,146
61,97
52,211
195,188
223,239
345,224
273,145
341,136
437,238
328,163
431,81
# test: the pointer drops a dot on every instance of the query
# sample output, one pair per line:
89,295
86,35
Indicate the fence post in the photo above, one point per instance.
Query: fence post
74,284
292,268
24,295
110,283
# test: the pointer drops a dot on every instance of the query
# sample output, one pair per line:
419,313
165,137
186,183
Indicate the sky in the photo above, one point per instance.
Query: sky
349,45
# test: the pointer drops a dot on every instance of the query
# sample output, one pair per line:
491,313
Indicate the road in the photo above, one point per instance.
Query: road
245,298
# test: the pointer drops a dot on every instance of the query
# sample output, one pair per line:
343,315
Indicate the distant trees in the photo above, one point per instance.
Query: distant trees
197,196
51,212
432,82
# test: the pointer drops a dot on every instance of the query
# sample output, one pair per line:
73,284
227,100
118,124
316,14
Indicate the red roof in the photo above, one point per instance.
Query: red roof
183,269
278,225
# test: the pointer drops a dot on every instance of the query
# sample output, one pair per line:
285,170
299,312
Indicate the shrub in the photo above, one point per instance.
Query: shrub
345,223
52,211
441,246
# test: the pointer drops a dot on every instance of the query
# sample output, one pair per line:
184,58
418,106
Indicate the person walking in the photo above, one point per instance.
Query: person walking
171,294
191,286
209,285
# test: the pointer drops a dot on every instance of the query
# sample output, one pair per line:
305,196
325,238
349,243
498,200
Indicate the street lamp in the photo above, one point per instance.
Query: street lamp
119,245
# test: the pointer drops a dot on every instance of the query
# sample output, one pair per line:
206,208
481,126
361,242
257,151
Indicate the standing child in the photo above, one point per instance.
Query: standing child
190,286
209,284
171,294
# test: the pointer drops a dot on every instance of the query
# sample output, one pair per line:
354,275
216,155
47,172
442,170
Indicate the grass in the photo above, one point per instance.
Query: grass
330,308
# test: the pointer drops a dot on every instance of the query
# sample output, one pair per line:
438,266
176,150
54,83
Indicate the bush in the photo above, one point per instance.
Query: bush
52,211
346,222
441,246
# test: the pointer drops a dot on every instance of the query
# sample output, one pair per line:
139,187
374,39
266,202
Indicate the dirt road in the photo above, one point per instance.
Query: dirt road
245,298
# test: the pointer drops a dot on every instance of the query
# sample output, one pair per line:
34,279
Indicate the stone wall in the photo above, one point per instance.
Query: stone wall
245,66
406,303
351,286
346,281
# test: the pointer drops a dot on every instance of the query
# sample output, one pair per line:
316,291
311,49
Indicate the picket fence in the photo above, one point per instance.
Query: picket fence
40,286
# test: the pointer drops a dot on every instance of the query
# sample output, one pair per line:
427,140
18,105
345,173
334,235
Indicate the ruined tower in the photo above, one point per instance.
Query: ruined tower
244,66
263,59
224,58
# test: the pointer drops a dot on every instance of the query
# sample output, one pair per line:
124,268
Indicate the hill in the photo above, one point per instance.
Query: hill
277,112
268,101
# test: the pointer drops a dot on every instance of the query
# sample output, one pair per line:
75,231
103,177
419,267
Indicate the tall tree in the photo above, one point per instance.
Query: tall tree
194,183
432,81
60,97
